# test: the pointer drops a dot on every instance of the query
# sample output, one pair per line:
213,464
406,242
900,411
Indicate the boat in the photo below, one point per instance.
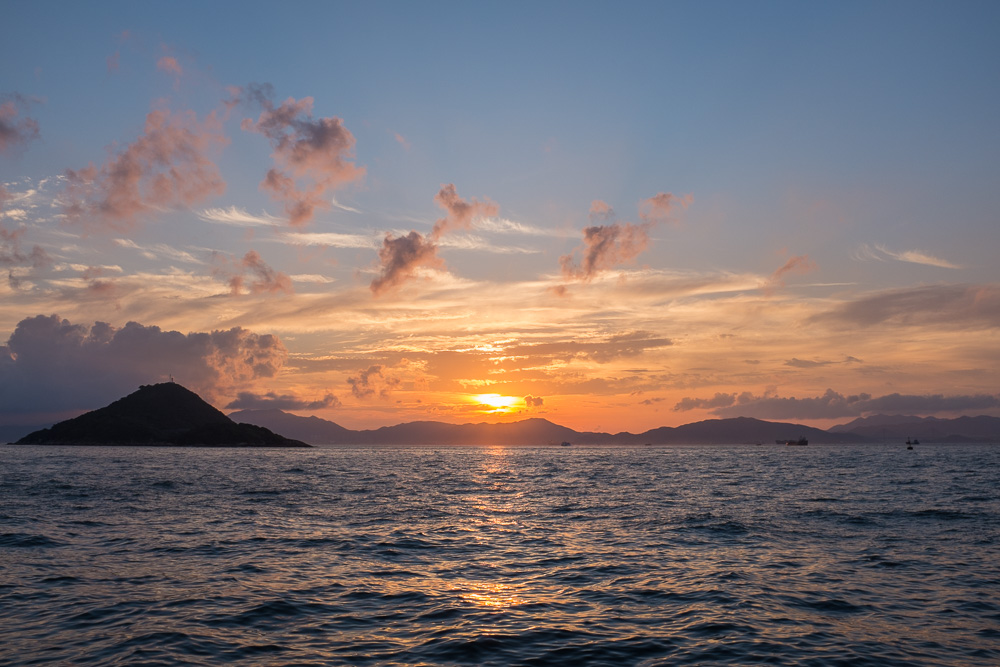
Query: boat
801,442
910,443
565,444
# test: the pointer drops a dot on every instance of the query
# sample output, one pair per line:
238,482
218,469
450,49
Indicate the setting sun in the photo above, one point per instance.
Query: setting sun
498,402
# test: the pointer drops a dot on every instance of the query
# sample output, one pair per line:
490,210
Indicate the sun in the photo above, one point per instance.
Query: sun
498,402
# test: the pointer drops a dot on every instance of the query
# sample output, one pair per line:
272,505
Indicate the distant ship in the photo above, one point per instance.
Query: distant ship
910,443
801,442
565,444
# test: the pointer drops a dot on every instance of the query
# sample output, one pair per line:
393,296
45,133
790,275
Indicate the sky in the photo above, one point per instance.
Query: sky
612,216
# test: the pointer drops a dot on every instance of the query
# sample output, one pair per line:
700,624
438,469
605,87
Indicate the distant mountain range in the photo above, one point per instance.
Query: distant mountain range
740,430
159,414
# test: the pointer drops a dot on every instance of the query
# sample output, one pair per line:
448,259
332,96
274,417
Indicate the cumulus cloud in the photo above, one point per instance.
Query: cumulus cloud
834,405
612,243
400,257
169,165
372,382
248,400
881,253
311,155
50,365
15,132
262,278
797,264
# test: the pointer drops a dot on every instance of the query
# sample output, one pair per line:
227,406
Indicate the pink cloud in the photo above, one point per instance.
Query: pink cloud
459,214
113,61
263,279
400,257
659,207
169,65
15,132
607,245
372,382
401,140
797,264
311,155
167,166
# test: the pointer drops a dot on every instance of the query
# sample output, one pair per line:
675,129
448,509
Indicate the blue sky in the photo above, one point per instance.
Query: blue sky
854,144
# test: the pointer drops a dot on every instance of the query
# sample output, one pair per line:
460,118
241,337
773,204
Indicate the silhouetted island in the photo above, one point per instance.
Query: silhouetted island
158,414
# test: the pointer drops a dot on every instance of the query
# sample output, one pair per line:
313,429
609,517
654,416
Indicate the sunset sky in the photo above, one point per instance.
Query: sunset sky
615,217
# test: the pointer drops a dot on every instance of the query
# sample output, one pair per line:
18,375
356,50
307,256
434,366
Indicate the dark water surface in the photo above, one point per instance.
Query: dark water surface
821,555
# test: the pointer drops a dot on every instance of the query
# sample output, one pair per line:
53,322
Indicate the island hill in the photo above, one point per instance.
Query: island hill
158,415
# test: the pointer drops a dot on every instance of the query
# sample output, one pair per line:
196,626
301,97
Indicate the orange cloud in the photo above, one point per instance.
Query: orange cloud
167,166
311,155
659,207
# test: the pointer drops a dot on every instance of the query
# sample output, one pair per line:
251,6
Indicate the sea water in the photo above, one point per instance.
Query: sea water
819,555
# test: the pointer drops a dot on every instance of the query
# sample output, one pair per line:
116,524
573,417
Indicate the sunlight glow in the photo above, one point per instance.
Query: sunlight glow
498,402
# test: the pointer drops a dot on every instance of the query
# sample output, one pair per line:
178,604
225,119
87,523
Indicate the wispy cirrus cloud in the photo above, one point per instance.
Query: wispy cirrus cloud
880,253
239,217
155,251
797,264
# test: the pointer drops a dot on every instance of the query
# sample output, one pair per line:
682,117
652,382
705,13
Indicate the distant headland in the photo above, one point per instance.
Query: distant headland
158,415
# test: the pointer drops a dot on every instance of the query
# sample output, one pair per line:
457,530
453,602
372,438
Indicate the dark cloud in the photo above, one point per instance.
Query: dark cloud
12,256
15,133
612,243
957,305
400,257
834,405
169,165
311,155
533,401
372,382
262,277
52,365
247,400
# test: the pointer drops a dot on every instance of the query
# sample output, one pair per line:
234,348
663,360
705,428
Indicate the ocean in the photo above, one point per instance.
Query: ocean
699,555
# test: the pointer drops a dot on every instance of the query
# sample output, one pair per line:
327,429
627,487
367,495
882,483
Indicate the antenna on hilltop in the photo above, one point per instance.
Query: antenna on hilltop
171,378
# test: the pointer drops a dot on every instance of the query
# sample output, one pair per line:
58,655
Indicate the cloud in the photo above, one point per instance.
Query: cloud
459,213
881,253
401,140
158,250
12,256
372,382
311,155
834,405
51,365
400,257
505,226
167,166
170,65
237,216
264,278
660,206
533,401
15,133
331,239
797,264
113,61
806,363
607,245
949,305
247,400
